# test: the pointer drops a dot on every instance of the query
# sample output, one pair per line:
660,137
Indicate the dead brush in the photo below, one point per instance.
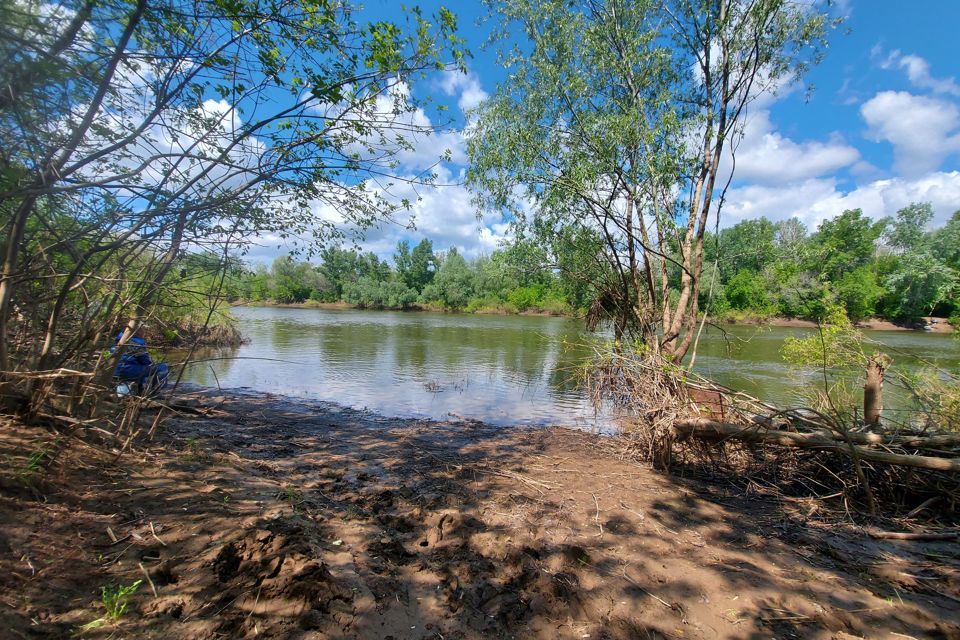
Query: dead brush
649,395
669,416
646,393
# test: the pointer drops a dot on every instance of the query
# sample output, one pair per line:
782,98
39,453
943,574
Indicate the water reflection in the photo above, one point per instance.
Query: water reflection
504,370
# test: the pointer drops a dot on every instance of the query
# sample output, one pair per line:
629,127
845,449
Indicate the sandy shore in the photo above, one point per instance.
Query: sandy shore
261,516
934,325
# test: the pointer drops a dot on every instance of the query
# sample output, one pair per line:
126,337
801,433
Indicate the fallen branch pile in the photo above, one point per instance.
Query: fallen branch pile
895,449
670,415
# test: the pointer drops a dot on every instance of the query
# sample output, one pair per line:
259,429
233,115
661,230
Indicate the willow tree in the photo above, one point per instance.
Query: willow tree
611,128
132,132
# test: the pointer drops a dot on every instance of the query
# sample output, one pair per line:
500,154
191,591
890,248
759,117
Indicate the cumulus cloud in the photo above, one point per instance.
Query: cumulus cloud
394,130
765,156
443,212
467,85
817,199
918,72
922,130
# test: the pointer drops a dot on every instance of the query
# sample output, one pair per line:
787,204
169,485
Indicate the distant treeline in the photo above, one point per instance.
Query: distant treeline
508,280
891,268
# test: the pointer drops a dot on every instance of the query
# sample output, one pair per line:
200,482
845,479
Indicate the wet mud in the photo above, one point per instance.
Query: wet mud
260,516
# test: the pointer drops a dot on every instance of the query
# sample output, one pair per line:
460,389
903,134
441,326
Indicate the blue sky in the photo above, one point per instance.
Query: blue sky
876,126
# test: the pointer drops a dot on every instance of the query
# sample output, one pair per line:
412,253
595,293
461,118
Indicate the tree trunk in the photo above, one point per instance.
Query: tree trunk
873,389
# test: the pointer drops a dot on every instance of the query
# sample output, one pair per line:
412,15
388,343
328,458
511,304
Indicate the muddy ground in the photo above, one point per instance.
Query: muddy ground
266,517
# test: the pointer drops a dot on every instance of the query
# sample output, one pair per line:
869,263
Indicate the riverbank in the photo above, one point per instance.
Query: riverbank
258,515
346,306
931,324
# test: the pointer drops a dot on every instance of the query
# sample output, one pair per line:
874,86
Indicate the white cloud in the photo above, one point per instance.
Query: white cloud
443,212
922,130
467,85
818,199
918,72
393,130
765,156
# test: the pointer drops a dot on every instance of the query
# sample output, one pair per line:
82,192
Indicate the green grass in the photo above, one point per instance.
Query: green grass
115,598
34,462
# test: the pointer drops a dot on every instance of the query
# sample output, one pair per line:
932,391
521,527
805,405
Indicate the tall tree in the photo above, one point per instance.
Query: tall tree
190,123
844,243
908,231
613,121
422,265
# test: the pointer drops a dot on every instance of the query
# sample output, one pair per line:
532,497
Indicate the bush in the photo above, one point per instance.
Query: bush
859,293
369,293
484,304
748,290
557,307
804,296
524,298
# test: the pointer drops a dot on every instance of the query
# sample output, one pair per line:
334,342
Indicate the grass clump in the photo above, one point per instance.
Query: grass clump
115,598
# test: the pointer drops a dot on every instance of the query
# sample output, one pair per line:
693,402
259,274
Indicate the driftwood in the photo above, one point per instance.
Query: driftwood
922,535
706,429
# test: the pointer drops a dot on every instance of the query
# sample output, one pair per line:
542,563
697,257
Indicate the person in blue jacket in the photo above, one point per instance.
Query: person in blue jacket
135,365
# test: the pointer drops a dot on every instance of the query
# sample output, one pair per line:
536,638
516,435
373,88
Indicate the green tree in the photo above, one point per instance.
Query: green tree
802,295
422,266
293,281
844,243
402,261
594,124
859,292
919,283
945,242
791,240
908,232
340,267
748,291
453,284
749,244
172,125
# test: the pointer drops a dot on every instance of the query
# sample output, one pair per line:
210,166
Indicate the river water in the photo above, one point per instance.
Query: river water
506,370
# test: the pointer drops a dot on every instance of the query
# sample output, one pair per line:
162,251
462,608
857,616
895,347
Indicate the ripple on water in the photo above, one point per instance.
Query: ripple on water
501,369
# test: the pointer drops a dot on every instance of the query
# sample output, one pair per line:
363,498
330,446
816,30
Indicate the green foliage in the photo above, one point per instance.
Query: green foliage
918,284
762,269
422,266
802,295
859,292
908,232
946,242
144,142
115,598
524,298
453,284
836,344
748,290
749,245
844,243
369,293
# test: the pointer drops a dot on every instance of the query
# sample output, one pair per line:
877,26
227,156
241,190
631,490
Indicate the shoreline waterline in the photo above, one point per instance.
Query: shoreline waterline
934,324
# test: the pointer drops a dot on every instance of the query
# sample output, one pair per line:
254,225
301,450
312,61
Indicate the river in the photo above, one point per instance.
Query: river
505,370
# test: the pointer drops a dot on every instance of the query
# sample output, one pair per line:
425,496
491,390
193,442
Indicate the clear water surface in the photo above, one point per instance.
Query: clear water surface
506,370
